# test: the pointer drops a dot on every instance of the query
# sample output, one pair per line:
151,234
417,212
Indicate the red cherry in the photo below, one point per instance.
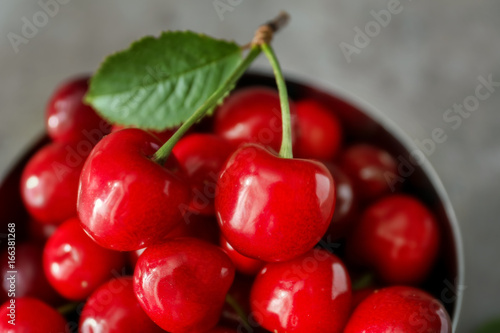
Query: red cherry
30,280
163,135
271,208
182,284
113,308
320,132
311,293
252,115
399,309
31,315
75,265
244,265
127,201
346,205
69,119
202,157
49,184
398,237
371,169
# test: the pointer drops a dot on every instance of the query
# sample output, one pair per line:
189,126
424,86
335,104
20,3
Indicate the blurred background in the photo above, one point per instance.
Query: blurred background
421,61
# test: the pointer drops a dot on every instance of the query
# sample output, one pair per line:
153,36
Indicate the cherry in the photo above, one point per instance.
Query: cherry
113,308
346,205
202,157
29,281
69,119
182,284
128,201
49,183
320,132
162,135
252,115
371,169
399,309
244,265
75,265
398,237
273,208
31,315
311,293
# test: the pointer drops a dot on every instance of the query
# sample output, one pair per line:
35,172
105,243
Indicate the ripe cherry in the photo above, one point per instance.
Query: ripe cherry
113,308
311,293
182,284
360,295
371,169
252,115
128,201
399,309
69,119
202,157
243,264
49,184
320,132
398,237
29,279
31,315
273,208
75,265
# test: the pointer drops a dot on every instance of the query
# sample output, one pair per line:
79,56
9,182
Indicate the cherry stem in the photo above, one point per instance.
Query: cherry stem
262,37
286,141
239,311
364,281
67,308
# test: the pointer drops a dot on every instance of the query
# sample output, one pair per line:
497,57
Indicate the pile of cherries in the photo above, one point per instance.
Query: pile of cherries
224,235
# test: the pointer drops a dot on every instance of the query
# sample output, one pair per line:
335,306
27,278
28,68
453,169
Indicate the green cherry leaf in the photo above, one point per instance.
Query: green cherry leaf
159,82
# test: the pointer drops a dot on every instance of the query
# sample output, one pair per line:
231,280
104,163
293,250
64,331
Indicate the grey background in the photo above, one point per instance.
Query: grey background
426,59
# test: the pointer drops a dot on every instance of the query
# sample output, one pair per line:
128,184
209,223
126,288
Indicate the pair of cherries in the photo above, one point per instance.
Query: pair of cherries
269,209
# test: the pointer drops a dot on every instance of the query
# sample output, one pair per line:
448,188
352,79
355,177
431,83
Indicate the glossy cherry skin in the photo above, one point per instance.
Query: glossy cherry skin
31,316
30,280
399,309
252,115
371,169
182,284
271,208
311,293
49,183
320,132
346,205
360,295
243,264
75,265
163,135
113,308
126,200
202,157
69,119
398,237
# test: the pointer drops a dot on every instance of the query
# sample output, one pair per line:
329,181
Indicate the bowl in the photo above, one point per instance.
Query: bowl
361,122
